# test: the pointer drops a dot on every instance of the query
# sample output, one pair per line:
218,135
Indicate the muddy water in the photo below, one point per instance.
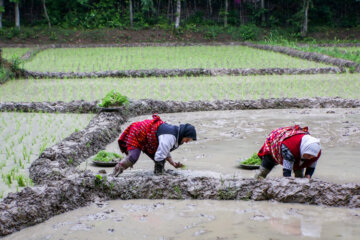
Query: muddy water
165,219
224,137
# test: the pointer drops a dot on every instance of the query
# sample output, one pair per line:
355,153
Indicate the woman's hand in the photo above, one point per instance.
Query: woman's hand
178,165
174,164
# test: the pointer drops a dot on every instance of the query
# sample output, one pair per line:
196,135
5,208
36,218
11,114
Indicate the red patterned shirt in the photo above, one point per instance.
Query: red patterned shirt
272,145
141,135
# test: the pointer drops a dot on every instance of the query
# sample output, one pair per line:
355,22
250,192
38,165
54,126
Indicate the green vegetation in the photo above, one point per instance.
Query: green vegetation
114,98
352,54
135,58
184,88
253,160
104,156
23,136
11,53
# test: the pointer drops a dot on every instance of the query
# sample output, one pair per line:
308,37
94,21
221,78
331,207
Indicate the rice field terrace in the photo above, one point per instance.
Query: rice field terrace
349,53
24,136
184,88
136,58
10,53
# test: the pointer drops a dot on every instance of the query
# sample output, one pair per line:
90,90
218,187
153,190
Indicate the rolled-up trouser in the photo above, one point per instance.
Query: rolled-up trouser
133,155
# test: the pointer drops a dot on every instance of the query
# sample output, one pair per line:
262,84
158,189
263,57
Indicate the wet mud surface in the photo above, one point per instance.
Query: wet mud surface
165,219
65,187
224,137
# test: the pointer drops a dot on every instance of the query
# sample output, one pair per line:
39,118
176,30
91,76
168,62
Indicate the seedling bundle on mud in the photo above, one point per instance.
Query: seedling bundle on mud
104,156
253,160
114,98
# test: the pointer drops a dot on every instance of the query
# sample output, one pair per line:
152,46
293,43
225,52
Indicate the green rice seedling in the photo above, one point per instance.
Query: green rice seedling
10,53
114,98
21,181
160,57
104,156
253,160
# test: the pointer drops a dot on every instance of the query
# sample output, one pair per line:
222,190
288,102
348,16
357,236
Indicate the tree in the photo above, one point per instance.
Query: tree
131,13
226,12
262,5
304,29
45,12
17,12
2,9
178,12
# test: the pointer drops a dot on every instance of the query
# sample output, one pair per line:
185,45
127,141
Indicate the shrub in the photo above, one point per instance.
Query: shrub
246,32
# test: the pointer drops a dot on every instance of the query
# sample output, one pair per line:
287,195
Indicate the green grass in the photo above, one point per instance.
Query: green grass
135,58
9,53
23,136
184,88
352,54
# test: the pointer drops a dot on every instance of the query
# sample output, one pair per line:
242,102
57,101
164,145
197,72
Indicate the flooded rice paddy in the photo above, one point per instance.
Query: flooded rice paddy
223,138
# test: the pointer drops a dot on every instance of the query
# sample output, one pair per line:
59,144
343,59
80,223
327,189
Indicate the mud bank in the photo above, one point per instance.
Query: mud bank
148,106
182,72
51,107
37,204
59,161
317,57
142,107
32,53
143,44
331,45
164,44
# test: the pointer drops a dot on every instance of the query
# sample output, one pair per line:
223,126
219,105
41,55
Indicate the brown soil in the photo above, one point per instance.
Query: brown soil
116,36
112,36
340,34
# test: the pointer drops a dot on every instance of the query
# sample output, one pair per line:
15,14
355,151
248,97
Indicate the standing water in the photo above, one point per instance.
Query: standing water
223,138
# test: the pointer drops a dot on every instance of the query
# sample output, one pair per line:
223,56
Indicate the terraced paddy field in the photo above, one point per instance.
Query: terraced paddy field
135,58
9,53
184,88
24,136
223,138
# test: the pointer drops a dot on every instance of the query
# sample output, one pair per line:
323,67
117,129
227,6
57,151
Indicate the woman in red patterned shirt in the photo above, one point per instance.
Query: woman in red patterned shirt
294,148
156,139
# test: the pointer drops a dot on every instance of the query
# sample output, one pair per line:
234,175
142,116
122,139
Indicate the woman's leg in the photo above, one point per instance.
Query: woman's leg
267,164
299,173
159,167
130,159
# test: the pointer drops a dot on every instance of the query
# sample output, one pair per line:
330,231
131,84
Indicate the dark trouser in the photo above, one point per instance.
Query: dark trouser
133,156
268,162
